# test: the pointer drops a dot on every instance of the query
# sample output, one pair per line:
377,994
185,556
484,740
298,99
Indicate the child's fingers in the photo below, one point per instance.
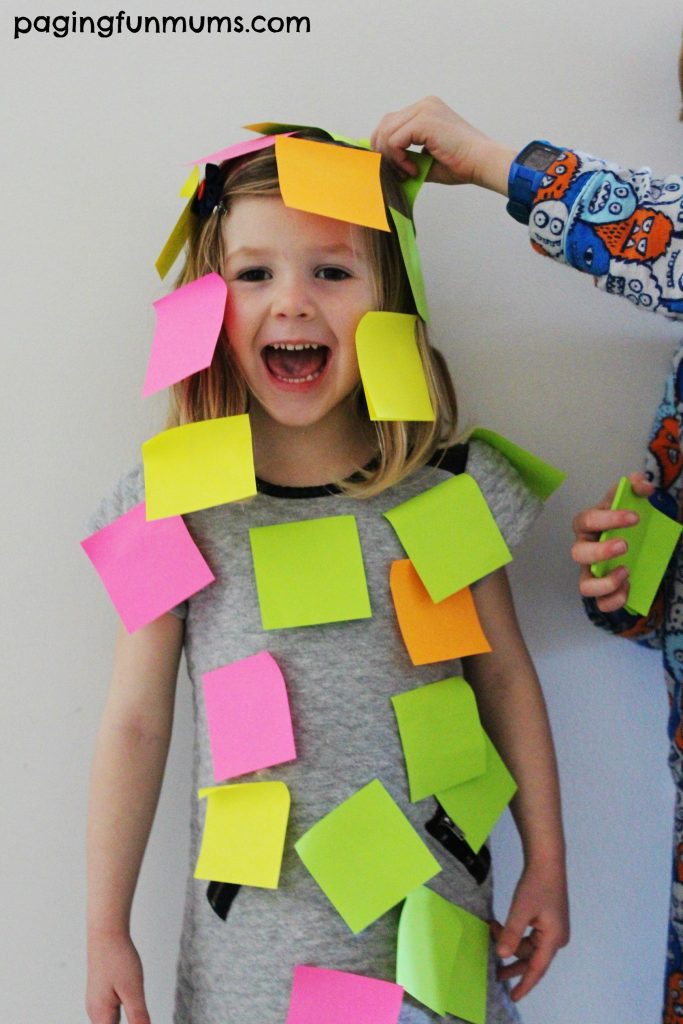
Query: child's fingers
587,552
605,586
534,969
591,522
615,601
641,485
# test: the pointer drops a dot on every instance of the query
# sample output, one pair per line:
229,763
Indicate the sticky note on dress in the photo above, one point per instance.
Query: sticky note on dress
309,572
651,543
337,997
198,465
441,735
476,805
434,632
147,568
450,535
541,478
411,259
366,856
391,369
176,240
188,324
442,956
244,833
331,181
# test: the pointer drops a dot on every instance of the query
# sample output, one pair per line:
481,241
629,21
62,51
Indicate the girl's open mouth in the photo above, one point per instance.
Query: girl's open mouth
295,362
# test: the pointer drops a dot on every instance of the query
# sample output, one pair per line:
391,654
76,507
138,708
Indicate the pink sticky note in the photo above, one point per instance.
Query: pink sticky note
147,567
247,711
336,997
238,149
188,324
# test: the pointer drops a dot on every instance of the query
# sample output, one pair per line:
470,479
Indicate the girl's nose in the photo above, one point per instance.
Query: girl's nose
292,299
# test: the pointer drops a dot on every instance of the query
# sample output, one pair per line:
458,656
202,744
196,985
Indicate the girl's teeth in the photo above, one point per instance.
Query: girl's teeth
295,348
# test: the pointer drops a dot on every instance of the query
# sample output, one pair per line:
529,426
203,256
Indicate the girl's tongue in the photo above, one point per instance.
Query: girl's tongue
294,364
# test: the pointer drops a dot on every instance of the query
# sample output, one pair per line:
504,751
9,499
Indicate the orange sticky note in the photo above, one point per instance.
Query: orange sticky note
434,632
332,181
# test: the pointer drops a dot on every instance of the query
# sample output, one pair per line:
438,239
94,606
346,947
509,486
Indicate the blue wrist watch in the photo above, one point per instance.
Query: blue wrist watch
526,175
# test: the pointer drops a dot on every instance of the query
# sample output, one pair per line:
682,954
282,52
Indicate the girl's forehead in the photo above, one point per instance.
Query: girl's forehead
265,221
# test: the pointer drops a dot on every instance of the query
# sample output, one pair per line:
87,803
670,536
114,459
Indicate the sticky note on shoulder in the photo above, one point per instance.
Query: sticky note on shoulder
651,543
391,368
541,478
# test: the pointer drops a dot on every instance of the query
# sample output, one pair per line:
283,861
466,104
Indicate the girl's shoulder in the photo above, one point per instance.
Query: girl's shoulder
128,491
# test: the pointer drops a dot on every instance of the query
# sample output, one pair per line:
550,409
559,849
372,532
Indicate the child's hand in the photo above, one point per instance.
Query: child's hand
462,154
115,981
540,903
611,591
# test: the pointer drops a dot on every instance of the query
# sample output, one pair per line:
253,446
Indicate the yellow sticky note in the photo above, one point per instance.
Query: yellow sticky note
332,181
244,833
391,368
176,240
198,465
190,184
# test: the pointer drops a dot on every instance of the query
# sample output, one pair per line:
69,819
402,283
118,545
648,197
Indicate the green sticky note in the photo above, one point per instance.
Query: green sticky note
405,230
651,543
391,368
411,186
309,572
279,128
476,805
366,856
442,956
450,535
442,738
176,240
540,477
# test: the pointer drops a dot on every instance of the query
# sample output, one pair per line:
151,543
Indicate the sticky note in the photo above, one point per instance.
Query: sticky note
411,259
541,478
411,186
450,535
442,956
248,717
147,568
434,632
278,128
190,184
176,240
332,181
337,997
476,805
366,856
651,543
237,149
188,324
441,735
198,465
309,572
244,833
391,369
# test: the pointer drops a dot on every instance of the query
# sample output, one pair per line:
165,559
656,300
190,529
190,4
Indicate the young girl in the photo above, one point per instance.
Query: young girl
298,284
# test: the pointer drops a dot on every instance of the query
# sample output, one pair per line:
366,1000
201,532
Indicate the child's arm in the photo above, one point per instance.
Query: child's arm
126,779
513,712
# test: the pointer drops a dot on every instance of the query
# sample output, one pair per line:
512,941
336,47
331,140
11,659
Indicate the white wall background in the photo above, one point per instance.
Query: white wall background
95,135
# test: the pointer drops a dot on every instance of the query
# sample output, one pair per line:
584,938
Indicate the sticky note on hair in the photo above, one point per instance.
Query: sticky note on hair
405,230
309,572
442,956
189,186
176,240
237,149
279,128
339,997
412,186
198,465
188,324
541,478
450,535
391,368
244,833
366,856
331,181
147,568
248,717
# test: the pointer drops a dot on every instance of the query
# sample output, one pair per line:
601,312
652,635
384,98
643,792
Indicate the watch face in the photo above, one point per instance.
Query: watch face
538,156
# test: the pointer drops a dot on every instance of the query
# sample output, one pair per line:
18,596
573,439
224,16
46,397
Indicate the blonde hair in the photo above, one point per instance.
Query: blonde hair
221,390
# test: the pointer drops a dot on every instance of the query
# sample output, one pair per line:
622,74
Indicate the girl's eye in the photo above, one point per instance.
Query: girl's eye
254,274
332,274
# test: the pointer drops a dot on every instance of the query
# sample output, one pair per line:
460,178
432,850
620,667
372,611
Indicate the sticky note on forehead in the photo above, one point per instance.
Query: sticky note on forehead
331,181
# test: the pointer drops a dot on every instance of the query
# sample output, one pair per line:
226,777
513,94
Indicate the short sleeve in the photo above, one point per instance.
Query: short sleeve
514,507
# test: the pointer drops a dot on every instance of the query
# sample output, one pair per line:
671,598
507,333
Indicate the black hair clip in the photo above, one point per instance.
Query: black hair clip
208,197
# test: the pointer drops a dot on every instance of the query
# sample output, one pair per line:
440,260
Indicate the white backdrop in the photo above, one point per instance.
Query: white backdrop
96,132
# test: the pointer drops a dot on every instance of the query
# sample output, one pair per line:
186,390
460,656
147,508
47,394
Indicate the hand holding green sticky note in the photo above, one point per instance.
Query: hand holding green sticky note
651,543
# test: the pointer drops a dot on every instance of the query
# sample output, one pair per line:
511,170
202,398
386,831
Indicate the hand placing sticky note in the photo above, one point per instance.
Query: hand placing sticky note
337,997
450,535
147,568
309,572
188,325
244,833
442,956
476,805
366,856
176,240
411,186
441,735
651,543
332,181
434,632
391,369
248,717
198,465
411,259
541,478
